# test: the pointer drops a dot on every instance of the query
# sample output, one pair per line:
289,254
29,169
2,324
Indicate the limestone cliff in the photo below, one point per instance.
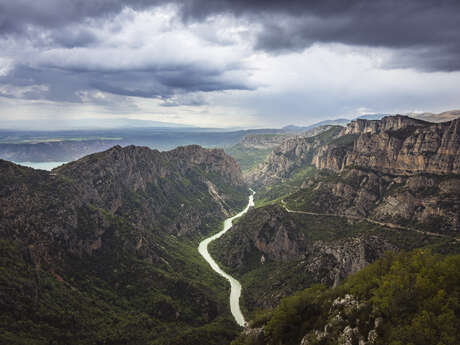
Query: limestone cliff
396,169
407,146
292,153
395,144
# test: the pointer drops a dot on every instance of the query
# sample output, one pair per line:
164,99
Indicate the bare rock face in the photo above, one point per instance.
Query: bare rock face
396,169
79,207
342,312
432,148
331,262
430,202
388,123
292,153
277,237
395,144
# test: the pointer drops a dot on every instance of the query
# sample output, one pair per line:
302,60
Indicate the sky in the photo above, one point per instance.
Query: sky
225,63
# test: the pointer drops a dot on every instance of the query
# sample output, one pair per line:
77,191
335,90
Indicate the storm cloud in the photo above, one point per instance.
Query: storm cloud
428,27
139,56
195,53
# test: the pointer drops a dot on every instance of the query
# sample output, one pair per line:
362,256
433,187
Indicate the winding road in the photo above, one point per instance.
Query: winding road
387,225
235,291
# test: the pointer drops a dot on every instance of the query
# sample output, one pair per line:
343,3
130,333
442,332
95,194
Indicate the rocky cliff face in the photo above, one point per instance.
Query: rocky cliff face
426,202
406,146
397,169
278,236
395,144
291,154
388,123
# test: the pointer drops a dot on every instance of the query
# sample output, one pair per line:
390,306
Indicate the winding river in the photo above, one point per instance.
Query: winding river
235,291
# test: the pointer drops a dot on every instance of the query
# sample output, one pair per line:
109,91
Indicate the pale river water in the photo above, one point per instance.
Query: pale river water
235,286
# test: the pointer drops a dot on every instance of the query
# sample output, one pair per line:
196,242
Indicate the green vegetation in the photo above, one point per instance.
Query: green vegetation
279,190
114,300
301,173
264,284
111,277
248,157
414,297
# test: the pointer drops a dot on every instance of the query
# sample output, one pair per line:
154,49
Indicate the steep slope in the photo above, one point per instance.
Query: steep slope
375,185
289,156
401,145
253,149
397,170
395,144
275,253
108,242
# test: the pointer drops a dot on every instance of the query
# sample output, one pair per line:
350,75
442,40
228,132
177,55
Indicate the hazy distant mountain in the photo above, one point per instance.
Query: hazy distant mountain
298,129
336,122
98,123
441,117
372,116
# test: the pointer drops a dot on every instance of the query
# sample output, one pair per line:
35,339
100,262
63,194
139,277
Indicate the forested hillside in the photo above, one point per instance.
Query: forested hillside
103,250
410,298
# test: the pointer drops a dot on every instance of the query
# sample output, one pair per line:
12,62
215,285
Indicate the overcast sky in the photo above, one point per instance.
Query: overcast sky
226,62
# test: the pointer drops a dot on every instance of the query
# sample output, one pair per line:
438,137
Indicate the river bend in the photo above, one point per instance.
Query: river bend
235,286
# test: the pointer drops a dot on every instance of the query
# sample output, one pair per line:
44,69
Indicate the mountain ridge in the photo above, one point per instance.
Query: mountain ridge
111,239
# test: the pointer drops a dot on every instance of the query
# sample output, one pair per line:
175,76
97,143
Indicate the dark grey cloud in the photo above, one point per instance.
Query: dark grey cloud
422,34
17,16
56,27
66,85
428,27
74,37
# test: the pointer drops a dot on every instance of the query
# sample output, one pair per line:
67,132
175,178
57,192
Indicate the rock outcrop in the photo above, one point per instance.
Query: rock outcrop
406,146
394,145
342,311
396,169
291,154
385,303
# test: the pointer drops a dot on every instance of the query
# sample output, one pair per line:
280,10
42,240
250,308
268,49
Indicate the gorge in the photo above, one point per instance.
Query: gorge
235,285
105,247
